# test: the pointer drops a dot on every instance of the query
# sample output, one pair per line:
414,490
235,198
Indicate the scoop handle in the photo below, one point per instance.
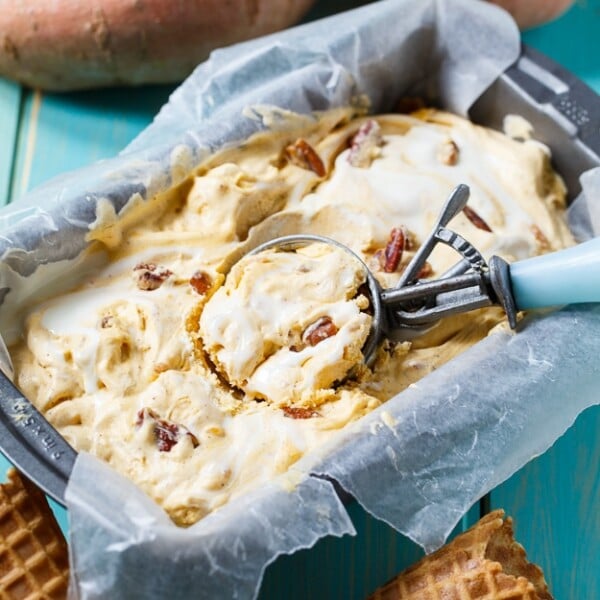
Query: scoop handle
569,276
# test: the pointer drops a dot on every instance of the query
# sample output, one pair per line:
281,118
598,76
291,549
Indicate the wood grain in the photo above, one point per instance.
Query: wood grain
10,107
555,501
59,133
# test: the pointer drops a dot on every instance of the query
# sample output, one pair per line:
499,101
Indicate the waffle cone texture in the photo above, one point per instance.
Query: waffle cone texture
34,562
483,563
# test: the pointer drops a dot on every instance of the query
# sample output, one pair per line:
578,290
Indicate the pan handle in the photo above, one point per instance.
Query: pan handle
32,444
565,99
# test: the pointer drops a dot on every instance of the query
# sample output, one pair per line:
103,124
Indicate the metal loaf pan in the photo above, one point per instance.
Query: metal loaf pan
565,114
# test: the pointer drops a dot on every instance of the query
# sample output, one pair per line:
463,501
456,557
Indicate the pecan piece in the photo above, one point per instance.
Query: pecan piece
294,412
475,219
201,282
390,258
149,276
365,144
448,153
303,155
320,330
166,434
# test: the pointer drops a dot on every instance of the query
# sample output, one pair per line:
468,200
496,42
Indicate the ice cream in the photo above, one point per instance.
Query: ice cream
200,375
287,326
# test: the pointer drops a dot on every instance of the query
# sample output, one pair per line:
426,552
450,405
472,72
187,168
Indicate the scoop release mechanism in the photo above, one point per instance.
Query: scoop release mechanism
565,277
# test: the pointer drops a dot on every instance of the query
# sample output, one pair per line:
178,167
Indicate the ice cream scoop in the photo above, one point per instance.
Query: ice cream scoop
414,305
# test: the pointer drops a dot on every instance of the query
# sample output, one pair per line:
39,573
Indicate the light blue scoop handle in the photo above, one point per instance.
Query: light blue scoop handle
566,277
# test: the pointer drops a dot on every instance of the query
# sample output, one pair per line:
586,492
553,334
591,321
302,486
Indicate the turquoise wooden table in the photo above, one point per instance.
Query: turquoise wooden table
555,500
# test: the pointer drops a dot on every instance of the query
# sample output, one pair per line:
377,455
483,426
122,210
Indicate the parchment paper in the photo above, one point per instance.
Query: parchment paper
440,445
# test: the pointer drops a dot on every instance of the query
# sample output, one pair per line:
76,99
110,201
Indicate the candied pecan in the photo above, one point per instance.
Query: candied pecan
475,219
320,330
448,153
149,276
542,241
201,282
390,258
364,145
166,434
294,412
303,155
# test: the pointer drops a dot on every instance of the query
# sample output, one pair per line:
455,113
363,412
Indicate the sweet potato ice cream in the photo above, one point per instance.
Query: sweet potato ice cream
199,375
287,326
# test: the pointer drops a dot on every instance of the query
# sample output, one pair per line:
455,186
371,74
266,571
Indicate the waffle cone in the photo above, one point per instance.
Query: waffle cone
483,563
34,561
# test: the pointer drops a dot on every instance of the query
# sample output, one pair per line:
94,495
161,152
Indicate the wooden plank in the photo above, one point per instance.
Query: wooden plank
25,143
4,466
58,133
10,107
555,501
349,567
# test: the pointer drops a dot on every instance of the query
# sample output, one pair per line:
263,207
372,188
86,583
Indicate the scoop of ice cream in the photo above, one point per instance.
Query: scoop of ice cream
287,325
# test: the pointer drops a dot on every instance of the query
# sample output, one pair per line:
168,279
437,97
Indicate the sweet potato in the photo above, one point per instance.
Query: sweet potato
528,13
73,44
